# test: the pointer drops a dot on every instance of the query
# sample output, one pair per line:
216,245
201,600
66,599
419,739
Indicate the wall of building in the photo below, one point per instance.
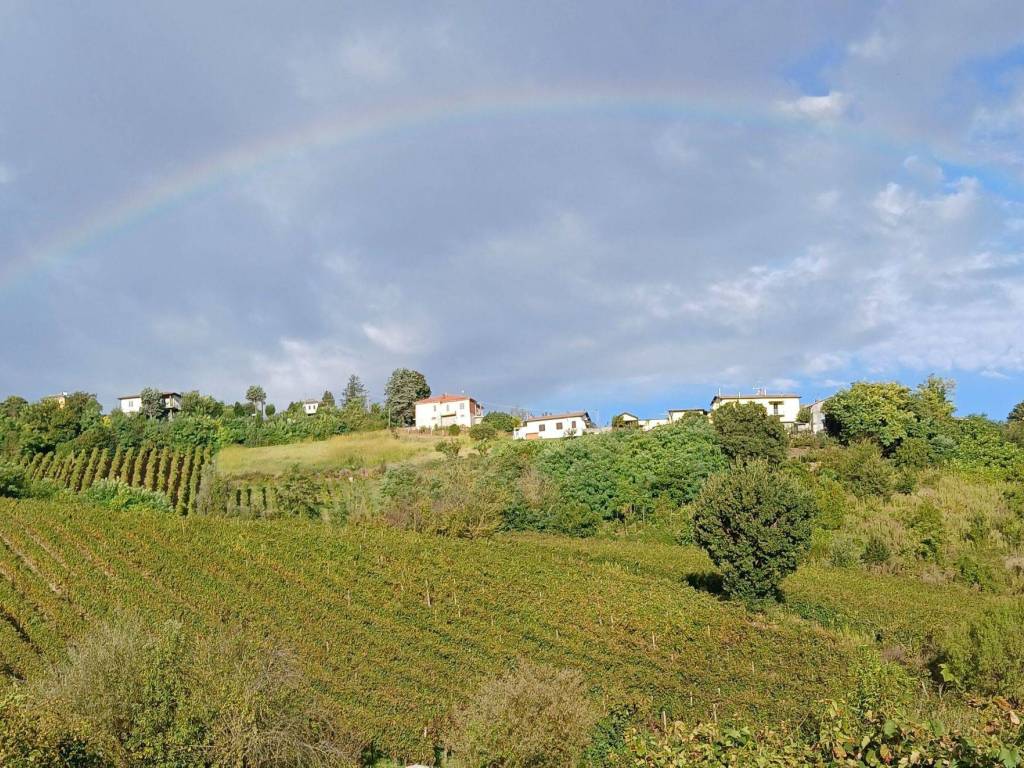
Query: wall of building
441,415
549,429
789,407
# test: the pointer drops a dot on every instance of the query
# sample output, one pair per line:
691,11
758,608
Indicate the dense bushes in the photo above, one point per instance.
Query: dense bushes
988,656
755,524
117,495
297,494
860,469
533,717
746,431
13,480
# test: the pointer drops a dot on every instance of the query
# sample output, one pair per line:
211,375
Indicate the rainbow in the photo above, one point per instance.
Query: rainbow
346,129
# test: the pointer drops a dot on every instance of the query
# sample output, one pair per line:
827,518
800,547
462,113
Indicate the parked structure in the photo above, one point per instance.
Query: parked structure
133,403
785,408
551,426
442,411
311,407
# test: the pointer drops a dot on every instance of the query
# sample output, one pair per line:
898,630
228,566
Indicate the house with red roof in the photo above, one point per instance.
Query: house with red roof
442,411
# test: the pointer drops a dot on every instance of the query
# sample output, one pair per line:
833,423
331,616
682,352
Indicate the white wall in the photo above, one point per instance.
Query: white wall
441,415
788,407
131,404
310,408
549,429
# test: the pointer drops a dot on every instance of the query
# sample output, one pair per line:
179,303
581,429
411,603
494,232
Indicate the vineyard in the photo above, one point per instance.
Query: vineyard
171,472
397,628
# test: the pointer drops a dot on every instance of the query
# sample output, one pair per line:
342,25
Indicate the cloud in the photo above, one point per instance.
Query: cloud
6,174
831,106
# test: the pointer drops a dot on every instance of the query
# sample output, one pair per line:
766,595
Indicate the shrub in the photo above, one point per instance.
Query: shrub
450,448
13,482
913,453
298,494
746,431
905,481
927,524
843,552
482,431
503,422
118,495
975,573
876,551
988,655
882,412
832,503
454,430
533,717
755,524
862,470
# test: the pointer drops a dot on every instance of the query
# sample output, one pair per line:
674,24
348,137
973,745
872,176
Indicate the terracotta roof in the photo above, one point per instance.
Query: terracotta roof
445,398
550,416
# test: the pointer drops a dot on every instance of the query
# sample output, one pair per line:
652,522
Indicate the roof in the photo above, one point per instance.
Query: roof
445,398
755,396
550,416
687,410
310,402
162,394
628,413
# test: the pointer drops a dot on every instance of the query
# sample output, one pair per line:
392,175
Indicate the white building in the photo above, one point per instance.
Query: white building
554,426
817,423
441,411
675,414
311,407
783,407
629,420
133,403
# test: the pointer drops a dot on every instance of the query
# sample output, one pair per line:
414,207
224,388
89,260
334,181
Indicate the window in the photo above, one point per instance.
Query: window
462,406
776,405
540,427
558,425
574,423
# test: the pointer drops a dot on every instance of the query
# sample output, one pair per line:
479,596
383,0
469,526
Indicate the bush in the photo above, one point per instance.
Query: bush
927,524
746,431
13,481
450,448
755,524
832,503
862,470
988,655
533,717
502,422
158,696
298,494
975,573
843,552
116,494
913,453
876,551
454,430
482,431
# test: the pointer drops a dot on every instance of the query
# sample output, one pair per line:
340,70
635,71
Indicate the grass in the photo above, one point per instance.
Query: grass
359,450
397,629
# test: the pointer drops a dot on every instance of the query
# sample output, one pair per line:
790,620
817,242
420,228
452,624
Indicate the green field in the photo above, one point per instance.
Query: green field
397,628
358,450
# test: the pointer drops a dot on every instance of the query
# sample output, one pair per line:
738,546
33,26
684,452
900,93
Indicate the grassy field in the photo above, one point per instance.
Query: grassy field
355,451
397,628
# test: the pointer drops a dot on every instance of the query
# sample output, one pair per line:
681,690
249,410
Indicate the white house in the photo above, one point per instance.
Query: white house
133,403
441,411
552,426
817,415
675,414
783,407
311,407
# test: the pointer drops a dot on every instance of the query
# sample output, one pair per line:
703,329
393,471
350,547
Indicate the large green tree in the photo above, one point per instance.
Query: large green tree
1017,414
403,389
152,403
501,421
884,412
195,404
746,431
256,396
327,399
354,394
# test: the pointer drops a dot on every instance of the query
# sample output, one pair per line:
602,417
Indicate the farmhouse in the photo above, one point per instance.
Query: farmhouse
552,426
133,403
817,422
442,411
785,408
310,407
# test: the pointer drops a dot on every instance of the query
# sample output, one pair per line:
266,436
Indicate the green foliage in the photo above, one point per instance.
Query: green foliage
298,494
13,480
1017,412
354,395
115,494
755,523
982,444
975,573
861,470
988,655
746,431
881,411
454,430
195,404
152,403
401,392
501,421
255,395
832,503
876,551
532,717
450,448
927,524
327,399
482,431
913,453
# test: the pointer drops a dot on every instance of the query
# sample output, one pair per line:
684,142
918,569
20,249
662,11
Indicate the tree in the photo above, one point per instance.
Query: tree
755,523
152,403
501,421
255,395
195,404
327,400
14,405
354,394
746,431
1017,414
880,411
298,494
270,410
403,389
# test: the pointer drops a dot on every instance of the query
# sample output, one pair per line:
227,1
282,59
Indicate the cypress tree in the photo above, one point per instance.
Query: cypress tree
126,466
115,465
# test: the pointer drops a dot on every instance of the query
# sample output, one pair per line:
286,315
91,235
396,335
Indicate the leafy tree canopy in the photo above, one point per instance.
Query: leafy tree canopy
327,399
195,404
1017,414
354,394
152,403
403,389
879,411
746,431
255,394
501,421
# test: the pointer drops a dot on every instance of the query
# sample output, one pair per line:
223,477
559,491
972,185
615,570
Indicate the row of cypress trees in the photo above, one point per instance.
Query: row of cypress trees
173,472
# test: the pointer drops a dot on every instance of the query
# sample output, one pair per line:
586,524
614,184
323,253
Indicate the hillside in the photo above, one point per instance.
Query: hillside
397,627
358,450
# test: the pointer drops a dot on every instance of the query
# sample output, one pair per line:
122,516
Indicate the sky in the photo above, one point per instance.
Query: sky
550,206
